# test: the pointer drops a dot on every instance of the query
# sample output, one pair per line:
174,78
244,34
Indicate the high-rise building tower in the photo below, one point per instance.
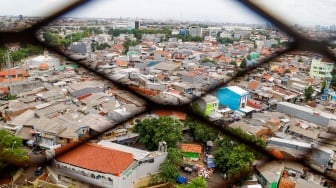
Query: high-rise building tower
137,24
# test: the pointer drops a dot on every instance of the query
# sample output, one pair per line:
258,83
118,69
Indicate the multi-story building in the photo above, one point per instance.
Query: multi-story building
233,97
320,67
195,31
208,104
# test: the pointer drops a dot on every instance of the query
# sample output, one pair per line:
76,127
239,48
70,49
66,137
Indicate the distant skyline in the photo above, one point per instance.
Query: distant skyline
302,12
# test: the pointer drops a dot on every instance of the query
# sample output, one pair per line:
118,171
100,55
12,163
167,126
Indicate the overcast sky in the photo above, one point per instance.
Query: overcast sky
303,12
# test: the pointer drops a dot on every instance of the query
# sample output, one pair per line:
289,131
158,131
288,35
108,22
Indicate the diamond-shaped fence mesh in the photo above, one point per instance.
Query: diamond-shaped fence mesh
298,42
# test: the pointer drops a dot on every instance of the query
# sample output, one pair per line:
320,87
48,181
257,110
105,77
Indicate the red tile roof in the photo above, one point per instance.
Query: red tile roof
265,52
121,63
279,70
192,148
4,89
220,58
6,80
97,158
14,72
253,84
267,76
254,104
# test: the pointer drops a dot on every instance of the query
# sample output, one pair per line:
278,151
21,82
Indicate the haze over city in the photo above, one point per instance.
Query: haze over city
298,12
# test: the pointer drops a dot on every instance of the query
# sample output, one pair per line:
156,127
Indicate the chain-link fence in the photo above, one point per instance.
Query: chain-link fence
298,42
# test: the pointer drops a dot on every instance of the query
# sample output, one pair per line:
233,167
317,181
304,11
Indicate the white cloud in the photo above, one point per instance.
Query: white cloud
304,12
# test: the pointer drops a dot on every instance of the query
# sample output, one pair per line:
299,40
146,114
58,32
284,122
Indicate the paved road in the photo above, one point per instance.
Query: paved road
28,173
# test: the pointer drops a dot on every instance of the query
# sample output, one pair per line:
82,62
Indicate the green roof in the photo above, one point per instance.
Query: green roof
61,68
254,55
190,155
73,65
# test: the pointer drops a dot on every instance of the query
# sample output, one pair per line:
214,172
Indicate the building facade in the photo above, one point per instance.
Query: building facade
208,104
233,97
123,167
320,68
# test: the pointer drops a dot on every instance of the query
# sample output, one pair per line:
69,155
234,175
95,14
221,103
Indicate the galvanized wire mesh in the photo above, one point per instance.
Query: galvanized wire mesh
299,42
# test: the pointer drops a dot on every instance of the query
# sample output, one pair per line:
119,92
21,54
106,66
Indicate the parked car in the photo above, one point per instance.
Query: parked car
188,168
38,171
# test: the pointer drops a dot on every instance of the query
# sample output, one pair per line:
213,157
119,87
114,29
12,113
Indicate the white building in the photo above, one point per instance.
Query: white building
105,164
45,59
195,31
321,67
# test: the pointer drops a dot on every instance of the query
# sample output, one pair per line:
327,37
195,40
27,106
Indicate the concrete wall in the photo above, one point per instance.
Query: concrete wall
307,116
25,86
150,168
82,175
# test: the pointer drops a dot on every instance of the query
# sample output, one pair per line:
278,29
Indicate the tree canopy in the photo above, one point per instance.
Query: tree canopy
206,59
233,158
23,52
308,92
225,40
11,150
243,64
198,182
333,80
152,131
169,169
129,43
201,132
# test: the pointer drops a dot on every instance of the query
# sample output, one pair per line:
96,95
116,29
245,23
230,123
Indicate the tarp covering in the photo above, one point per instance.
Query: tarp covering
181,179
210,164
190,155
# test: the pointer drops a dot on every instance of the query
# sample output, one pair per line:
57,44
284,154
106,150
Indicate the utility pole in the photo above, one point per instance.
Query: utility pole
9,73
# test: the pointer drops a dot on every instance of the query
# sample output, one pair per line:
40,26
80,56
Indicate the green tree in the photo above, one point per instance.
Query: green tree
201,132
206,59
169,169
287,71
129,43
323,85
243,64
233,158
233,63
275,46
51,38
248,57
239,159
193,39
197,182
248,137
221,154
225,40
152,131
308,92
333,79
11,150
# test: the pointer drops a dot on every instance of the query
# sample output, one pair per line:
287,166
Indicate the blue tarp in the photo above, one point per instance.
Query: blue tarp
181,179
211,164
152,63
